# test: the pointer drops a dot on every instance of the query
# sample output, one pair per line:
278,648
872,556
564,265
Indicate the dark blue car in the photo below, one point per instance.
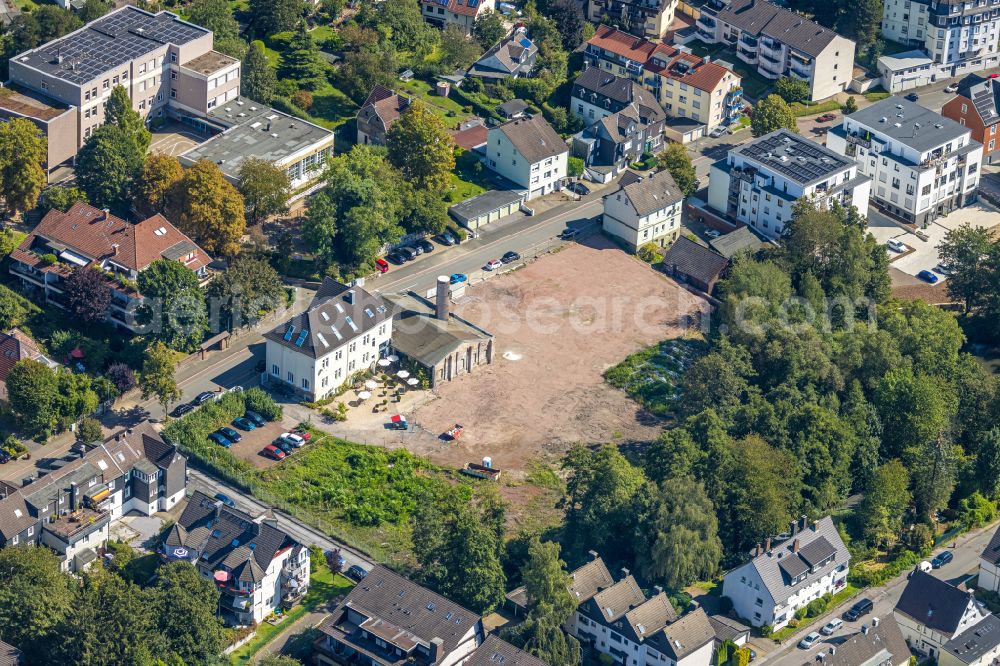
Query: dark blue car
928,276
220,440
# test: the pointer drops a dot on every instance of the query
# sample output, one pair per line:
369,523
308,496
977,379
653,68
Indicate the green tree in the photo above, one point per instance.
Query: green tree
215,15
175,305
457,50
976,511
850,106
35,596
93,10
89,430
866,20
933,469
208,208
569,19
107,165
489,29
575,166
245,292
364,69
421,148
258,80
677,161
164,277
791,90
680,535
32,391
966,250
405,27
87,294
879,515
118,111
770,114
265,188
302,63
61,198
160,173
185,605
987,467
157,376
278,659
914,410
268,17
22,158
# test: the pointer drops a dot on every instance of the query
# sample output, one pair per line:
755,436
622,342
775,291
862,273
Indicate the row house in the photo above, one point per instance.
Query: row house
85,238
70,509
922,165
780,43
650,18
257,566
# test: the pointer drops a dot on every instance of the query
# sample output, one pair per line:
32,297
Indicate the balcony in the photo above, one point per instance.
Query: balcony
799,73
747,40
770,46
81,522
749,57
769,69
706,22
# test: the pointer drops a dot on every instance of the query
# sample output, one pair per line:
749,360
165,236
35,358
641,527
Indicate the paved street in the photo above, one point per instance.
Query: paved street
964,566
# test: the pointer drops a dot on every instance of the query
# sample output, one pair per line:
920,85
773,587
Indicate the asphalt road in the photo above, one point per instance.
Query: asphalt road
964,566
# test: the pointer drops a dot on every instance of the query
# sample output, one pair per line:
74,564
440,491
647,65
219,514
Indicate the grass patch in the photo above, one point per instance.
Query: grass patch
652,376
543,476
450,111
876,95
322,33
331,107
468,179
324,585
810,109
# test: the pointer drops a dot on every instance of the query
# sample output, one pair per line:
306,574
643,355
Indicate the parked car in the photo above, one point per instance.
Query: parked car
244,423
396,258
459,277
826,117
993,75
356,572
492,265
860,608
182,409
220,439
416,249
292,439
753,653
230,434
203,397
257,419
286,447
712,233
951,87
273,452
944,269
895,245
303,433
510,257
578,188
831,626
927,276
382,265
408,252
452,236
225,499
942,559
809,640
4,457
568,234
924,566
717,132
425,245
913,97
445,238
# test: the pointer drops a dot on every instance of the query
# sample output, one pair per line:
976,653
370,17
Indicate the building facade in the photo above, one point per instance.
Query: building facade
649,18
905,71
783,577
644,209
759,182
976,105
462,13
779,42
529,153
380,110
989,565
931,613
922,165
344,331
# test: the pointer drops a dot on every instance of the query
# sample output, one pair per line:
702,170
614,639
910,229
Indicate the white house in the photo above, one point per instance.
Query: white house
344,330
905,71
989,565
933,615
759,182
528,152
922,165
784,577
644,209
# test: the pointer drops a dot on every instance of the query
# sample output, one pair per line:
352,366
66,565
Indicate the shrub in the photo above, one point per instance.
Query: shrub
649,252
574,166
48,259
302,99
817,607
89,431
14,447
741,657
766,630
257,400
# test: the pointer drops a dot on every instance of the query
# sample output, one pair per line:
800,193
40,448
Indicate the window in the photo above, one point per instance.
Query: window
305,383
173,93
291,378
965,108
31,531
173,75
14,540
106,84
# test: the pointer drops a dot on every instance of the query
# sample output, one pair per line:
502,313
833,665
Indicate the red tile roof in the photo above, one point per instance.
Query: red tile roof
460,7
15,346
619,42
471,137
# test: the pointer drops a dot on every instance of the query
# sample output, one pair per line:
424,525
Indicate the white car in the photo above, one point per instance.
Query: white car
809,641
712,233
492,265
292,439
895,245
952,87
832,626
717,132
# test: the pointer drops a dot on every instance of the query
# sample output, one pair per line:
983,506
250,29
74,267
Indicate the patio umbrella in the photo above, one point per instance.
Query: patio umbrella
393,358
371,385
412,381
384,363
402,374
364,395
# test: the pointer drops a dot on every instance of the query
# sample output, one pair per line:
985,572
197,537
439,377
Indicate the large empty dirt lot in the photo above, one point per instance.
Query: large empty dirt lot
559,323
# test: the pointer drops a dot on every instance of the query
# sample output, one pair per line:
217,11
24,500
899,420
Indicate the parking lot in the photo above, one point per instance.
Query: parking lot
249,448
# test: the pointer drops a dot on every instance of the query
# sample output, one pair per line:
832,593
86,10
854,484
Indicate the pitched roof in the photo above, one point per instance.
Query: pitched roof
459,7
509,55
970,645
992,551
384,104
761,17
882,644
731,244
650,193
985,96
16,346
471,137
600,82
651,616
688,634
690,258
9,655
338,313
513,107
496,652
622,43
421,336
533,138
590,579
726,628
620,598
934,603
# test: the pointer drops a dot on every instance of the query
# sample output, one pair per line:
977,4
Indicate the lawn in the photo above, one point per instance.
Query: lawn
803,109
450,111
468,179
876,95
324,586
652,376
331,108
321,34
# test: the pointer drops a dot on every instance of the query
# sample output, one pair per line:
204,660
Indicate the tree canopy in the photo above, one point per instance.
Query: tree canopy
421,148
207,207
23,155
265,188
771,113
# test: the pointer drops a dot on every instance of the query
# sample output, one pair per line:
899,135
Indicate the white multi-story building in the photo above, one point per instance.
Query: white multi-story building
462,13
922,165
344,331
759,182
528,152
779,42
932,613
780,579
644,209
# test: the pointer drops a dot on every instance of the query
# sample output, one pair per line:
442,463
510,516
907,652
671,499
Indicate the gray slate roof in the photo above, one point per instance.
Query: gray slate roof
513,107
690,258
338,313
727,629
928,135
495,651
970,645
651,193
619,599
761,17
688,634
533,138
985,96
484,203
421,336
731,244
992,551
934,603
882,644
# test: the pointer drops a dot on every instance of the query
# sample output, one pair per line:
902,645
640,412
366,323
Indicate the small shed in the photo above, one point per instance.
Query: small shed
694,264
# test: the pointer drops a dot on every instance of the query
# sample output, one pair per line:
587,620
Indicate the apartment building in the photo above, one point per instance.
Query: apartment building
759,182
70,509
958,36
529,153
644,209
256,566
57,121
389,619
779,42
976,105
922,165
86,237
688,87
784,576
343,331
462,13
649,18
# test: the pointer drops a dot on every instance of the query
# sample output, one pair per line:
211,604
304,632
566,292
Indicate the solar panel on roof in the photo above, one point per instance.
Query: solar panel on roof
525,42
303,334
289,332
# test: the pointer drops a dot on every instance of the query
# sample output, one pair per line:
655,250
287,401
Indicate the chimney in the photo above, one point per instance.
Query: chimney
441,299
756,552
833,650
767,546
864,629
793,527
593,554
874,622
658,588
795,546
625,573
437,649
72,496
268,126
114,250
349,297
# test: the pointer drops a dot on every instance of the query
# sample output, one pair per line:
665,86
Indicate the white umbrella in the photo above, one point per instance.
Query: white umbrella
371,385
393,358
384,363
364,395
412,381
402,374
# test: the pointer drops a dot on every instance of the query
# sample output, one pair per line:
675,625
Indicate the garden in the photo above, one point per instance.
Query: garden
652,377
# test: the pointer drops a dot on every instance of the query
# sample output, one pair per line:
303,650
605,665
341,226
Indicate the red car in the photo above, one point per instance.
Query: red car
303,433
994,75
382,265
826,117
273,452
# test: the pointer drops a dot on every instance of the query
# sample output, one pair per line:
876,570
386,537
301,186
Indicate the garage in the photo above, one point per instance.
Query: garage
487,208
684,130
